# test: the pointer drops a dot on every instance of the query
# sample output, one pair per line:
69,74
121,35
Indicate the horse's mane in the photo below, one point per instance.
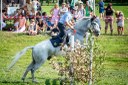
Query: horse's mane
84,18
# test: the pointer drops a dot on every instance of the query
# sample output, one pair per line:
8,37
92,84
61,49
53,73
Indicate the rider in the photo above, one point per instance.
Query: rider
64,21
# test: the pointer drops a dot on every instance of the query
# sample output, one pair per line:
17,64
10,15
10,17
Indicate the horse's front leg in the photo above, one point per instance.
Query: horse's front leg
87,36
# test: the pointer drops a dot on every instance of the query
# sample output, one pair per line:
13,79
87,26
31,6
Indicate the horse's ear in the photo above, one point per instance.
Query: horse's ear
93,18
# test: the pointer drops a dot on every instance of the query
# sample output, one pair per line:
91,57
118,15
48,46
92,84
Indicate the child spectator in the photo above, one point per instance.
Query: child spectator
32,30
55,13
44,17
21,25
49,25
41,25
120,22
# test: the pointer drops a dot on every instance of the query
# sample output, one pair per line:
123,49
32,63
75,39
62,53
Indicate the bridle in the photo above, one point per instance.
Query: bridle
91,29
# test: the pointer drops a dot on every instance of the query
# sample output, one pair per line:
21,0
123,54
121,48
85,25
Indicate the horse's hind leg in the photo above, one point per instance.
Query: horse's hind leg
27,70
35,67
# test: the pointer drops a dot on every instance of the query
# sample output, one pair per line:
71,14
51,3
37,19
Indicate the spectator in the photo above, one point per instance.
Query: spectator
38,16
16,23
3,18
35,3
49,25
31,14
81,10
41,25
68,6
75,14
55,14
44,17
88,10
109,18
21,24
32,30
63,9
38,6
101,9
24,10
29,6
52,28
120,22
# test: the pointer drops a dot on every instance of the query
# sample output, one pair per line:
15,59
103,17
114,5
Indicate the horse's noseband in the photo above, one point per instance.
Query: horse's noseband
91,30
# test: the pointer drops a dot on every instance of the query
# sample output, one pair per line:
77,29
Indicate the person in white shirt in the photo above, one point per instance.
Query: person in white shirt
32,30
81,11
63,9
34,5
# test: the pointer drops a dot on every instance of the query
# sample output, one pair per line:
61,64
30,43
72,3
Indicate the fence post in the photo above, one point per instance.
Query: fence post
1,16
91,59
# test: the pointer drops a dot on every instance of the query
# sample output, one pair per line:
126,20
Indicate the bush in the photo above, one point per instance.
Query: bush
76,65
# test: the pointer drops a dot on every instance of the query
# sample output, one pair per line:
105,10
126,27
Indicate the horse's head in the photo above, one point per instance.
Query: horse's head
95,25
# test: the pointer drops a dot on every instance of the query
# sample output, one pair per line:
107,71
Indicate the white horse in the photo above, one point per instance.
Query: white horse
43,50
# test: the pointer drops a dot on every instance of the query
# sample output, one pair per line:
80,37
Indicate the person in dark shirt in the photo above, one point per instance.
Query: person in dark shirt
41,26
109,18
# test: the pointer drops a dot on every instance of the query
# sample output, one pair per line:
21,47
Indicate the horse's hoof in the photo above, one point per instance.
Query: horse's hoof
23,79
35,81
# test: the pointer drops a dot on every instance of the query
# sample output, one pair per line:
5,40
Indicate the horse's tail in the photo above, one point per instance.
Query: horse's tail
18,55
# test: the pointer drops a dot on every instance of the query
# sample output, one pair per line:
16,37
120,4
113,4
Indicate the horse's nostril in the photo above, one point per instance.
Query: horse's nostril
98,34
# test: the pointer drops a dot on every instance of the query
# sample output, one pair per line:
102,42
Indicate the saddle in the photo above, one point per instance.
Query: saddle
58,41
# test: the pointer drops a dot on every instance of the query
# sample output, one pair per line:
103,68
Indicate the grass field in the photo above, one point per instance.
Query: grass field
116,60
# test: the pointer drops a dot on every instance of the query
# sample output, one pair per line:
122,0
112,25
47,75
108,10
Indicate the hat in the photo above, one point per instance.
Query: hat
80,2
64,3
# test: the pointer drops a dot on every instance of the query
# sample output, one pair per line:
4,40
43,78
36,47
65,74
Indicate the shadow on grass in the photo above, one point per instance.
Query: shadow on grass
113,34
46,82
13,82
117,4
125,60
52,82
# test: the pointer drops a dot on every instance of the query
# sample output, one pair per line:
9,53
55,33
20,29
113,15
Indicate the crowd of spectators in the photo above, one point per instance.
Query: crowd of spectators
31,20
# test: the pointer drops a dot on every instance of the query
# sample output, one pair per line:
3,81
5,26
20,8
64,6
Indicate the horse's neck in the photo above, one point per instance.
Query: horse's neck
82,25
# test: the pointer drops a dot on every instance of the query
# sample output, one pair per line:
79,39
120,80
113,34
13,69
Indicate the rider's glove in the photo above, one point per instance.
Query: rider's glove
74,31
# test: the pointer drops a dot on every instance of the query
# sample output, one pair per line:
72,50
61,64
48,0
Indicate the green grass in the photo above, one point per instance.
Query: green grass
116,60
